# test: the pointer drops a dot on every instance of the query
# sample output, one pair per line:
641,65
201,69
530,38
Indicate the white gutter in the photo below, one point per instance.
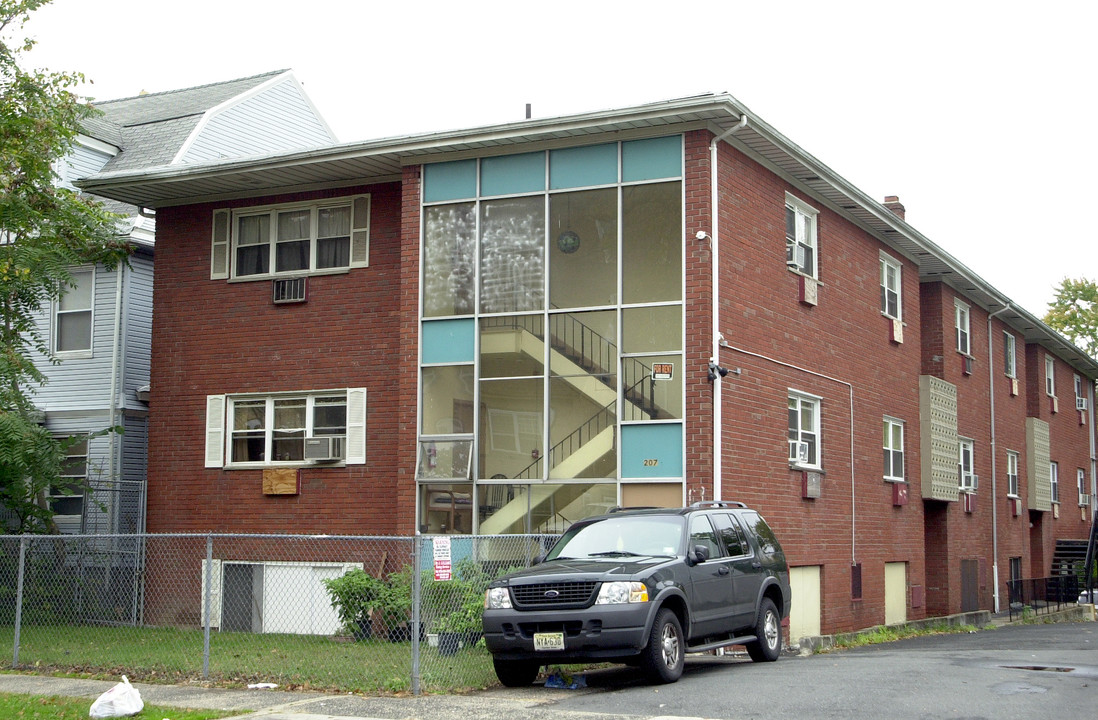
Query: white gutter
714,241
994,472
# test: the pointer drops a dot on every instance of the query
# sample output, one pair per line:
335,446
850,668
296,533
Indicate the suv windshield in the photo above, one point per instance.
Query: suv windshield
646,535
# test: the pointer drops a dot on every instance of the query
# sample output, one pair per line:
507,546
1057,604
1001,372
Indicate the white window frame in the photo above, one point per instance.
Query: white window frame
1012,474
891,452
225,243
1080,393
963,326
1050,376
805,239
220,411
891,285
966,461
58,312
800,401
1081,481
1010,356
1054,480
75,480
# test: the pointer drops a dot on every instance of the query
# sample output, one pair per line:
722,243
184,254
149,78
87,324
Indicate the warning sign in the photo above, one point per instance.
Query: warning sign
442,558
663,371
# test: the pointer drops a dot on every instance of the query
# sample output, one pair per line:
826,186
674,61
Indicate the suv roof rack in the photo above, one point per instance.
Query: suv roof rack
620,508
718,503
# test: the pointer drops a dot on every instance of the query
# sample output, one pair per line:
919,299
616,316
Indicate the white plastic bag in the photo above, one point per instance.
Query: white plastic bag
121,700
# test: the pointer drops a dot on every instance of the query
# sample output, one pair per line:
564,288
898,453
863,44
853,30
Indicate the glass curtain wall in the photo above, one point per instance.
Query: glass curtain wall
552,322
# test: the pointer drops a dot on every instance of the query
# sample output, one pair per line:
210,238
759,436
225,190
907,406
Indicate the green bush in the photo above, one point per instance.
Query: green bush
354,594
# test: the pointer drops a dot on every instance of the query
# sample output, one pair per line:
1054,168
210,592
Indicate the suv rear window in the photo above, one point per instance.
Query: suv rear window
650,535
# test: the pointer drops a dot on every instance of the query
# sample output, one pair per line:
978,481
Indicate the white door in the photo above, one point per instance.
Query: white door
895,593
804,615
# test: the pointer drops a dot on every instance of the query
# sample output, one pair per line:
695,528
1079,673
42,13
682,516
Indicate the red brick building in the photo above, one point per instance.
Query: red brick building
506,329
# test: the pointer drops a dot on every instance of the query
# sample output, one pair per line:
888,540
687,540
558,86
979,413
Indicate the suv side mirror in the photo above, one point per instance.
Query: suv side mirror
699,554
538,560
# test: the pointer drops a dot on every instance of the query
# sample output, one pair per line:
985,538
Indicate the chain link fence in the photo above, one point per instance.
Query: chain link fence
347,613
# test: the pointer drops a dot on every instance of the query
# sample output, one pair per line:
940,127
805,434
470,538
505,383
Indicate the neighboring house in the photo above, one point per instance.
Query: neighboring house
505,329
100,330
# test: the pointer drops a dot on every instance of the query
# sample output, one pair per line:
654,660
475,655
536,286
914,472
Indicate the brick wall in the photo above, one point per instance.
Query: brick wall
214,336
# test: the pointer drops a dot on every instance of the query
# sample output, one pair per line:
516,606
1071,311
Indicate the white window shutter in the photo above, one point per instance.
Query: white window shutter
360,231
219,248
356,426
215,431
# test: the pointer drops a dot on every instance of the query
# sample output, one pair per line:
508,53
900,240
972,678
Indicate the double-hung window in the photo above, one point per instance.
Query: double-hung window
1054,479
800,236
893,450
1080,394
961,323
1050,376
890,287
967,464
804,430
72,327
271,430
291,239
1012,474
1010,366
1081,481
67,495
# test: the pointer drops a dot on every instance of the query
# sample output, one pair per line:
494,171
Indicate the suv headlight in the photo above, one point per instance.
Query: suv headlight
619,593
497,599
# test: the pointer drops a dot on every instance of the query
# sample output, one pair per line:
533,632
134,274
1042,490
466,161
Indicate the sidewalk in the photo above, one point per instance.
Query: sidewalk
522,704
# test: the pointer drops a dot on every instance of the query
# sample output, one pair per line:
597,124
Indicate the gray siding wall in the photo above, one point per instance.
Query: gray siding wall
278,118
80,163
137,328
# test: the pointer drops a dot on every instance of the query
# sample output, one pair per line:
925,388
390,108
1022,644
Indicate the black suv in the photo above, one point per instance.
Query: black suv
643,586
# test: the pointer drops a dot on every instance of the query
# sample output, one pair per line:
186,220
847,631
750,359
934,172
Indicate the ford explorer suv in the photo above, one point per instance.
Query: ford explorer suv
643,586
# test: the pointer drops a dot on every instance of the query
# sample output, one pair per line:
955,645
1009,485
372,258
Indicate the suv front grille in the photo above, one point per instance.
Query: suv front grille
549,595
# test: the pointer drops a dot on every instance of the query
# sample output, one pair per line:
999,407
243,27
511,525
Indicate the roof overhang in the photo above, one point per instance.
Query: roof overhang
380,161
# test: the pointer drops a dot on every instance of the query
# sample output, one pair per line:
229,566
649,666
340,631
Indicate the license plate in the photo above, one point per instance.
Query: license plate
549,641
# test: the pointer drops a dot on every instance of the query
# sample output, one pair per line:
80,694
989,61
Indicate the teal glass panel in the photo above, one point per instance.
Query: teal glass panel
583,166
651,159
448,341
651,451
512,174
450,181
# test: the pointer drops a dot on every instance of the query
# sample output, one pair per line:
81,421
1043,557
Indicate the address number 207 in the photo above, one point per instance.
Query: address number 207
651,462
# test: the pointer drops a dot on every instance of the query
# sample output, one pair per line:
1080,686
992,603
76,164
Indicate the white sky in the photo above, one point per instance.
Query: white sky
979,115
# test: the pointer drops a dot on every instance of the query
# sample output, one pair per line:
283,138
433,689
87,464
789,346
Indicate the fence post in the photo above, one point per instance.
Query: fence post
19,600
206,605
417,618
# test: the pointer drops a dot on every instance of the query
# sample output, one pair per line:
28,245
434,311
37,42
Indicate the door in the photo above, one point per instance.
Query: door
895,593
710,581
970,593
804,615
747,576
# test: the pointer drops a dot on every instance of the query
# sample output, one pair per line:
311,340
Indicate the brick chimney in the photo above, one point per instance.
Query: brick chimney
892,202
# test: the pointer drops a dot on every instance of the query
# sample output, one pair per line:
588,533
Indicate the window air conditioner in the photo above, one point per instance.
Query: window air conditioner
288,290
791,255
1084,499
969,482
1080,403
324,449
798,451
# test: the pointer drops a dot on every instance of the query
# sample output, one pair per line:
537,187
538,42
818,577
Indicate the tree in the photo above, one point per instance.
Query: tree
44,231
1074,312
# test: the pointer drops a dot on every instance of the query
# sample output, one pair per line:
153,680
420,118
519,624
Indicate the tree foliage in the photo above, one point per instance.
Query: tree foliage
1074,312
44,231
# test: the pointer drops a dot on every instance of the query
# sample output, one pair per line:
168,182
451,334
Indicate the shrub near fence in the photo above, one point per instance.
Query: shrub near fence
347,613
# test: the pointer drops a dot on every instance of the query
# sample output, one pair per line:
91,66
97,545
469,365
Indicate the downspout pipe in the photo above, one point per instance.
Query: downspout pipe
994,472
714,241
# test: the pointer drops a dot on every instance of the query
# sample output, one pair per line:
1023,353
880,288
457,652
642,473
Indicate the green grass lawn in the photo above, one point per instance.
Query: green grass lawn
169,655
40,707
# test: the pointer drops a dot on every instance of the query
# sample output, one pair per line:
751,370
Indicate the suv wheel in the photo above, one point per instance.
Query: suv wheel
768,630
662,658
